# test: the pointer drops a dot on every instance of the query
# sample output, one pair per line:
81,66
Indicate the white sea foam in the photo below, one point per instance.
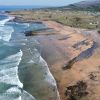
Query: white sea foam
14,90
6,32
6,96
27,96
2,22
9,77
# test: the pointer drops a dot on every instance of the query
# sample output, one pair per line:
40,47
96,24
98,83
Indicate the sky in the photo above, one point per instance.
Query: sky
38,2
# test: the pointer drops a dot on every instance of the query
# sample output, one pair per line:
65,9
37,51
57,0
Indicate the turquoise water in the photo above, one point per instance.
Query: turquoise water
24,75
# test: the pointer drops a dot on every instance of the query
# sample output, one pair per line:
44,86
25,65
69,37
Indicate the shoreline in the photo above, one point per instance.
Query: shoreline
62,76
57,51
42,40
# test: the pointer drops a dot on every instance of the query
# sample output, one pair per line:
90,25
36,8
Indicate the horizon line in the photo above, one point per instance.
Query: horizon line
37,5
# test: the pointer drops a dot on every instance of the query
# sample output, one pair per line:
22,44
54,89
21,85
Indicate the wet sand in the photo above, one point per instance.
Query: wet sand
59,49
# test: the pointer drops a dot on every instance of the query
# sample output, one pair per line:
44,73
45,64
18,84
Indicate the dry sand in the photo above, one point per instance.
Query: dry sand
58,50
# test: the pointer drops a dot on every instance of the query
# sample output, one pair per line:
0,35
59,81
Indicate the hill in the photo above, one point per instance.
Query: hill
92,5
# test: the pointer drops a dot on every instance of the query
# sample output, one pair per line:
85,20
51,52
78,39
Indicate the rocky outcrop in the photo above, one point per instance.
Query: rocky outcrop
77,91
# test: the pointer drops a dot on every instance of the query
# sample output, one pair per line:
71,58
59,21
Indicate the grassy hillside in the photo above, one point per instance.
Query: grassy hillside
89,5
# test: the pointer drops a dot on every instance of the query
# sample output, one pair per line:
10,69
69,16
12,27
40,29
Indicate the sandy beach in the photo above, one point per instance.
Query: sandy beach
72,55
63,46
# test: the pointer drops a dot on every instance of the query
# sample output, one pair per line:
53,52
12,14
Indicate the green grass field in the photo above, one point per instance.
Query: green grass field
80,19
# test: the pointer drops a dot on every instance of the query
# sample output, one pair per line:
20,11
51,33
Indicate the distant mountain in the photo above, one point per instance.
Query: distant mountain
93,5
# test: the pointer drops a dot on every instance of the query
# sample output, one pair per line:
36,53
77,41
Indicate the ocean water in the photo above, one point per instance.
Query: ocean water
13,8
24,75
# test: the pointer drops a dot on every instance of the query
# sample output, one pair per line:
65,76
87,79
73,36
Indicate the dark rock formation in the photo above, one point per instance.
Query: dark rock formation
76,92
29,33
69,64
